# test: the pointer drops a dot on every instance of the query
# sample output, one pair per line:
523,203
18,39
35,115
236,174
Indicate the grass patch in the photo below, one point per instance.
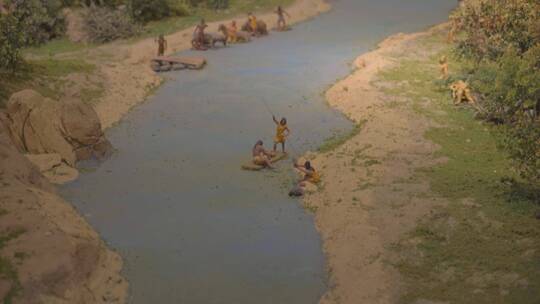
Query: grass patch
484,246
44,76
56,47
337,140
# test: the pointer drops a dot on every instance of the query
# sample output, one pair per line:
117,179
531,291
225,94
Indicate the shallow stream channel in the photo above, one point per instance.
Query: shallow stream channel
191,226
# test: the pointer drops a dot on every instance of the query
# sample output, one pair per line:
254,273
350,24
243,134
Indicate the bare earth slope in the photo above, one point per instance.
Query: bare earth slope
49,254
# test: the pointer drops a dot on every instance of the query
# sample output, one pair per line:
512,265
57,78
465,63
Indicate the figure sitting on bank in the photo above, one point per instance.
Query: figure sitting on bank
310,175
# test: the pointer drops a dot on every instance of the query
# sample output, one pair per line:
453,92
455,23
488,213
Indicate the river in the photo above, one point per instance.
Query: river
191,226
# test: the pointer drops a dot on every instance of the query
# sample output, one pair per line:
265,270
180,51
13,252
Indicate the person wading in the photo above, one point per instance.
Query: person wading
281,23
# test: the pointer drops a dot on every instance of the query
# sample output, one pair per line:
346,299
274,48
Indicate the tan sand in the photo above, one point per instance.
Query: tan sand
127,75
368,199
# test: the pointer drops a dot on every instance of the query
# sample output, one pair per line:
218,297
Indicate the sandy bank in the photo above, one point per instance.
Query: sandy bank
368,201
128,77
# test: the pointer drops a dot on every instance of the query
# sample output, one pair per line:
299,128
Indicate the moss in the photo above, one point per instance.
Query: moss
337,140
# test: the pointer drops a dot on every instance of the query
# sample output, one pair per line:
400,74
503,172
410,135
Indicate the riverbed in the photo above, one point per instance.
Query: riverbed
191,226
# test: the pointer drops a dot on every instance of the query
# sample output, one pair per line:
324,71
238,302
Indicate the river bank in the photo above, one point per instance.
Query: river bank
404,198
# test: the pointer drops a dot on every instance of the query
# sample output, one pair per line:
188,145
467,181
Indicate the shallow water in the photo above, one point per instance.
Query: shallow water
191,226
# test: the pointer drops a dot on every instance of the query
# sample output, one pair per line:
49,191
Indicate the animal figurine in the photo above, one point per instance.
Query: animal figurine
461,92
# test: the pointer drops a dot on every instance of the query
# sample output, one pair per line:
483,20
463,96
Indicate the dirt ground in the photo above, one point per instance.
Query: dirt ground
48,253
368,200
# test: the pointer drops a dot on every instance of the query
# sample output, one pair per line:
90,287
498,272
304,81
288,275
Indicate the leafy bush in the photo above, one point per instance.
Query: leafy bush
103,24
494,25
42,20
149,10
11,42
503,39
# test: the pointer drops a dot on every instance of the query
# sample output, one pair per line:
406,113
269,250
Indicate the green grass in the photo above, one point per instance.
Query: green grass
42,75
56,47
485,251
337,140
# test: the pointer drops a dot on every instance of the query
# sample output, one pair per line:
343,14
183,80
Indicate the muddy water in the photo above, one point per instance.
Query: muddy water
191,226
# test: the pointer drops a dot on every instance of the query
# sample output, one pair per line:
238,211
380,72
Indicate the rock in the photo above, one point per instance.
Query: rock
45,162
61,174
40,125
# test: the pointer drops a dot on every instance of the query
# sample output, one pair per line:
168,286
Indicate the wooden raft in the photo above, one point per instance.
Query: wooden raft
165,63
250,166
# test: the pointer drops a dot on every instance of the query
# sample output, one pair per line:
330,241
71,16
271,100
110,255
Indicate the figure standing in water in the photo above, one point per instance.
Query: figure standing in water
282,131
162,45
281,23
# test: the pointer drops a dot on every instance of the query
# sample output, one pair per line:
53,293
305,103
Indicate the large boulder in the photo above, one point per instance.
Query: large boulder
40,125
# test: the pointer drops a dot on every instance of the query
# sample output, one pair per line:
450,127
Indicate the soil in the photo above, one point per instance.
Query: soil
368,199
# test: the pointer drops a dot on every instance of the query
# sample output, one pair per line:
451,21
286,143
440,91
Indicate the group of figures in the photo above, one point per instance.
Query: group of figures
232,34
461,91
228,34
263,158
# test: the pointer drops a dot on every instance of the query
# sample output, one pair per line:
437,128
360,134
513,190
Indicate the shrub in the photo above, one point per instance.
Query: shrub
103,24
494,25
11,42
149,10
503,38
42,20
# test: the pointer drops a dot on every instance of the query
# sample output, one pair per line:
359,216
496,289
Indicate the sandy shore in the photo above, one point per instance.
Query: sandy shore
126,73
363,206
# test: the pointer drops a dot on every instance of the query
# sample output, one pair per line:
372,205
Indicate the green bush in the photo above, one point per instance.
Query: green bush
503,39
104,24
11,42
41,20
149,10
